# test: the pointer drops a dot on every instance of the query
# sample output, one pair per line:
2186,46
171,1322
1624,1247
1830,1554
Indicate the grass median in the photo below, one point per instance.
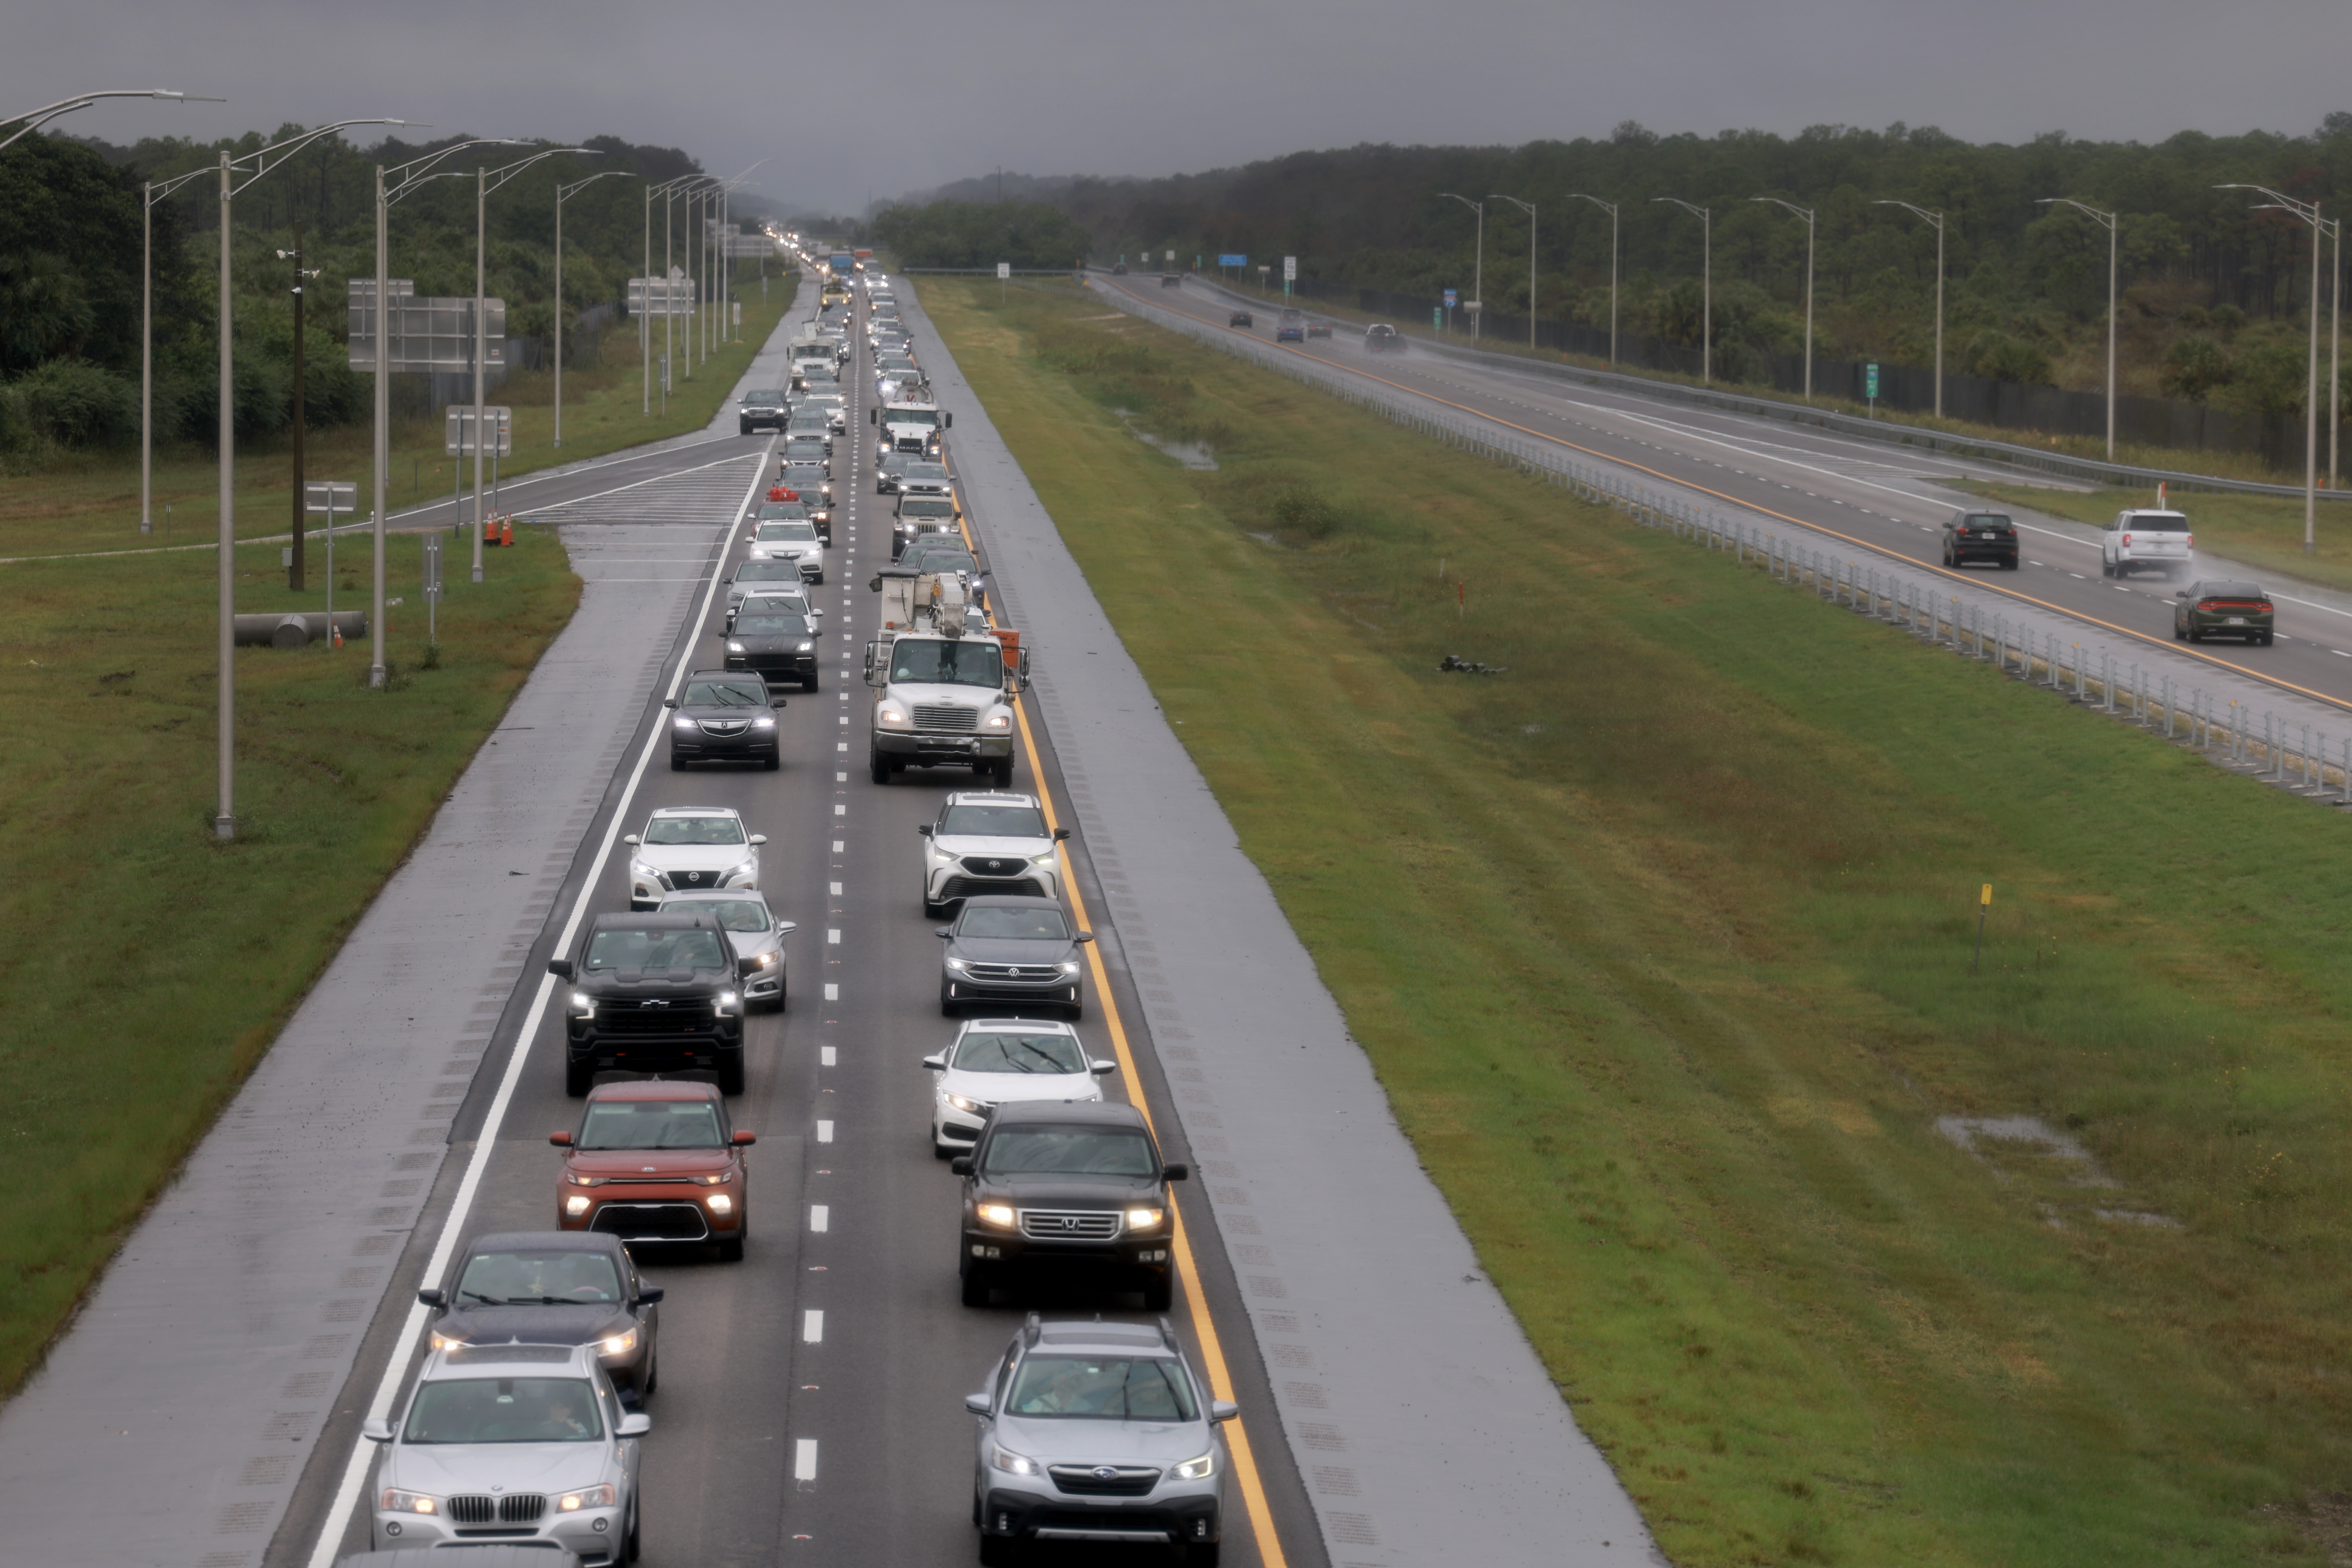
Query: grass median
148,965
1660,942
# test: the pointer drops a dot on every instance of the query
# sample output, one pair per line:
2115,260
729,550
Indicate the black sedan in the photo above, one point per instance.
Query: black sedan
776,646
555,1287
723,718
1240,318
1980,536
2204,610
1006,948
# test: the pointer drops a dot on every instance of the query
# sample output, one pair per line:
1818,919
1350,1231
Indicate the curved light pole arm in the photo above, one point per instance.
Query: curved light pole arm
2309,213
253,165
2109,221
27,123
1610,208
1807,214
563,193
1936,219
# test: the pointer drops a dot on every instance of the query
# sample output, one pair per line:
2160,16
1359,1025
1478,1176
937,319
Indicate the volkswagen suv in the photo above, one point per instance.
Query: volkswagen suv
1102,1432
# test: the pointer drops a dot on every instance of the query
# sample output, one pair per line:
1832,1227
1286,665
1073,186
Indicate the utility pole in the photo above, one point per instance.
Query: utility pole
1807,214
294,571
1478,270
2110,222
1937,220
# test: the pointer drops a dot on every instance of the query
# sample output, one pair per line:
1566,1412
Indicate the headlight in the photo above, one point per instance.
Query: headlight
576,1205
1005,1459
1199,1469
598,1496
445,1341
727,1000
682,722
720,1180
583,1005
1047,858
1069,967
806,646
761,960
996,1214
977,1107
734,648
1000,721
1144,1219
721,1203
957,966
763,724
639,869
619,1344
891,718
942,853
745,869
395,1501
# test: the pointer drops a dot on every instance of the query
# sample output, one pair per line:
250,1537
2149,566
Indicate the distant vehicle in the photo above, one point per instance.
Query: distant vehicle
761,576
777,644
654,1160
2205,610
996,1061
1292,327
1379,338
1318,328
1172,280
762,410
988,841
2145,537
1980,536
1118,270
1240,318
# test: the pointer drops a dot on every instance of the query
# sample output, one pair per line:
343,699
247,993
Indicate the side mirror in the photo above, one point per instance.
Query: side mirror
1222,1411
669,701
439,1299
1179,1171
877,584
745,1140
961,1164
2181,593
924,828
560,1140
560,967
1060,834
759,838
976,1402
376,1429
1100,1068
649,1295
1084,936
785,927
944,932
874,414
946,420
636,1424
632,839
937,1062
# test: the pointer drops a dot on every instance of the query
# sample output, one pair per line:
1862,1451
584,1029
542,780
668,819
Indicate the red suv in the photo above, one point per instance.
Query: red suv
654,1160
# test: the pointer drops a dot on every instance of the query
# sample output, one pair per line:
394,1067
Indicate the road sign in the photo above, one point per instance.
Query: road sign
1290,269
1171,258
1870,382
1233,261
1436,318
331,496
434,334
1449,299
458,437
1004,270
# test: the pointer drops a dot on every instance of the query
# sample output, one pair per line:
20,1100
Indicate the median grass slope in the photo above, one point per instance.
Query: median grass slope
145,966
1661,943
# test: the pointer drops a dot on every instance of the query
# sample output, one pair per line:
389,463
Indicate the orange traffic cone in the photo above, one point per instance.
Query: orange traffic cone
334,633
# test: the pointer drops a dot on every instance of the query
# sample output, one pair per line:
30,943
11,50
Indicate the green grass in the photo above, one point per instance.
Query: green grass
148,966
91,500
1705,863
2264,531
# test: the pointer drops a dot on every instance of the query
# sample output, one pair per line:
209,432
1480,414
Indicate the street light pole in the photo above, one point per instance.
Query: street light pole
563,193
1807,214
1936,219
2108,221
27,123
1610,208
2309,213
1530,207
1706,287
1478,275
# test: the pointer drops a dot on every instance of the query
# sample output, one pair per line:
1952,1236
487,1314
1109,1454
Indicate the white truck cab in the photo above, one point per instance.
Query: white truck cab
2145,538
947,682
910,423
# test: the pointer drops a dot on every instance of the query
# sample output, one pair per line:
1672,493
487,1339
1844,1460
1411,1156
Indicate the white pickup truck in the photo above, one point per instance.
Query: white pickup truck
2147,539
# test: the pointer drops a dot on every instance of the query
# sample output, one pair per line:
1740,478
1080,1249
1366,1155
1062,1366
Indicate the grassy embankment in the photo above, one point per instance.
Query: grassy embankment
90,501
1660,943
2264,532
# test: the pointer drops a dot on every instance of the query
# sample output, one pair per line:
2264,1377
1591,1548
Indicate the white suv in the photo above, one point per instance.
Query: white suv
691,849
995,1061
988,841
2160,540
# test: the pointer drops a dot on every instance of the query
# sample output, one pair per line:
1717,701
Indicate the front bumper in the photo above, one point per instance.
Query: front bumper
1134,1257
922,746
595,1535
751,745
1050,1515
654,1053
644,894
947,882
775,666
653,1211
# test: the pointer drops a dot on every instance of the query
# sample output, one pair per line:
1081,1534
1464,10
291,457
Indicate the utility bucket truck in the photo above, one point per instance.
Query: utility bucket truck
910,421
946,680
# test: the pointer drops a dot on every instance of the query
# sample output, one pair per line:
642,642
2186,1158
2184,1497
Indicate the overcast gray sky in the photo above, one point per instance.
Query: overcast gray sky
862,98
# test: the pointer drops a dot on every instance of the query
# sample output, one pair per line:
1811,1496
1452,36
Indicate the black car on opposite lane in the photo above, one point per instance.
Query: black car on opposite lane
1980,536
553,1288
1005,947
1241,319
1071,1187
722,716
653,992
2230,609
775,644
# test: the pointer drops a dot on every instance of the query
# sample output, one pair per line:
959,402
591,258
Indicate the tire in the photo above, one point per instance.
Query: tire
2106,567
772,763
1158,1293
629,1548
940,1150
975,1287
2267,638
879,765
731,1251
2010,564
730,1074
809,681
998,1550
1201,1554
1004,774
2180,633
577,1078
677,764
932,911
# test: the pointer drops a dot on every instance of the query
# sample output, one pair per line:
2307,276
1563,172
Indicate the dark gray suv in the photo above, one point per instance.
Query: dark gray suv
1071,1187
1005,947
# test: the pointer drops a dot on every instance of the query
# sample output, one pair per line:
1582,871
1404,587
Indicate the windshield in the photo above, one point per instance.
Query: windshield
949,558
772,626
1047,1151
762,399
993,822
947,663
723,694
920,506
1019,1053
537,1277
1014,923
1147,1388
1990,520
1290,315
802,533
2229,591
782,508
910,417
734,914
767,571
694,830
650,1125
659,951
803,476
505,1410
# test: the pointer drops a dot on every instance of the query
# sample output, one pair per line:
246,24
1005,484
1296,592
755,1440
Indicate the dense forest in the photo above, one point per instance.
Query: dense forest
2214,289
71,254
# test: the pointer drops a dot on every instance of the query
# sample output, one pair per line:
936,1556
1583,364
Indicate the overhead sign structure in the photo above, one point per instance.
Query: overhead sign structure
1233,261
457,437
672,296
428,333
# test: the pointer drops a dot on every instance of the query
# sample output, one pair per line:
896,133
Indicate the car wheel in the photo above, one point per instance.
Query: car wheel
730,1074
2180,633
2105,568
975,1289
808,681
1158,1293
935,912
677,764
942,1151
1004,774
652,1372
772,762
731,1251
2266,639
880,767
577,1077
998,1550
629,1548
1201,1554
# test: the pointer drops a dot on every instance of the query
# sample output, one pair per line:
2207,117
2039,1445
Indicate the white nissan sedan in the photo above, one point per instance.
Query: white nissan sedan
995,1061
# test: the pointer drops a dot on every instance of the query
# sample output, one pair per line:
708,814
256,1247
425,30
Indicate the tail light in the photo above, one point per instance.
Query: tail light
2126,541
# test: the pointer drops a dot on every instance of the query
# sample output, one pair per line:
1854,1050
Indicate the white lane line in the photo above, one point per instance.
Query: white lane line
804,1460
833,888
838,846
813,1327
831,991
827,1055
833,936
841,746
820,1217
841,811
347,1495
824,1132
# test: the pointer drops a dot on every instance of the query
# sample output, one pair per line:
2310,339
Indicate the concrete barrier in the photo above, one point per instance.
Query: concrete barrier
297,628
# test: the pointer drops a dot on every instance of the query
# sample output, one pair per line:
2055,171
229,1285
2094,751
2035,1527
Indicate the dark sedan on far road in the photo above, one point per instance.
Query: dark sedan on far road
2204,610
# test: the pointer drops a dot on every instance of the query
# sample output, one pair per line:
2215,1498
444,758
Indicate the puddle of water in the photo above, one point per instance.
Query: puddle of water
1196,455
1969,1131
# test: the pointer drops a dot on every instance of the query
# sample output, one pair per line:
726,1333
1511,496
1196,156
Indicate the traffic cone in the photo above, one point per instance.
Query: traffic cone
334,633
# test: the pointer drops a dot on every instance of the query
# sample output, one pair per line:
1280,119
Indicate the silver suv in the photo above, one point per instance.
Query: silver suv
988,841
1098,1432
522,1444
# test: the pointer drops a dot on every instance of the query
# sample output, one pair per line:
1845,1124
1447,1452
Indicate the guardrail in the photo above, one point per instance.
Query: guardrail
1886,432
2224,730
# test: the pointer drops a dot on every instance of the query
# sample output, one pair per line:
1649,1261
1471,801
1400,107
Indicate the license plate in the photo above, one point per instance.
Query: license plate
2237,621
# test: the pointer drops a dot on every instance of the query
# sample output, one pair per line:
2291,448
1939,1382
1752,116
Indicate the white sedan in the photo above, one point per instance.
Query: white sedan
995,1061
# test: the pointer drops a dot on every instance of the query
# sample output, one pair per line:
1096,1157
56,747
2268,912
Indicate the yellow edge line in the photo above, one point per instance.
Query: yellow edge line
1880,549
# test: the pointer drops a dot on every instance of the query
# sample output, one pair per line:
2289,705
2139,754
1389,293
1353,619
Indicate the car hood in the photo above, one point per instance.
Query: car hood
687,983
737,587
771,642
714,712
538,1325
678,1163
748,942
1003,848
1013,950
1003,1088
932,691
444,1468
1058,1190
1077,1441
694,856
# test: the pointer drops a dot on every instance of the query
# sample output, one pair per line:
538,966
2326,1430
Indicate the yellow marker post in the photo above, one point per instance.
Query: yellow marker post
1984,906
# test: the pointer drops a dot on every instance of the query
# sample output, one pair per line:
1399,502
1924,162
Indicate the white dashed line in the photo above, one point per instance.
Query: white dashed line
820,1217
840,778
804,1460
838,847
833,936
824,1132
833,888
831,991
841,746
841,811
827,1055
813,1327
